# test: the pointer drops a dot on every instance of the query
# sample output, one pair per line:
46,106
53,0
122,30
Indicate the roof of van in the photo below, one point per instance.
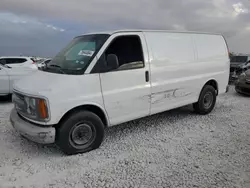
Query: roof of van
139,30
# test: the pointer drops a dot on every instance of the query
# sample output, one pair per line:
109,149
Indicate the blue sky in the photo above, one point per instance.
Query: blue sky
43,27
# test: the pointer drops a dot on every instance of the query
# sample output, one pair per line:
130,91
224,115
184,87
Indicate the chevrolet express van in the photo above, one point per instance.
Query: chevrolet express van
104,79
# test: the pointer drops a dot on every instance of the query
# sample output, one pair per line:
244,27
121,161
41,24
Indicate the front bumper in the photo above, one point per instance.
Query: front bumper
42,135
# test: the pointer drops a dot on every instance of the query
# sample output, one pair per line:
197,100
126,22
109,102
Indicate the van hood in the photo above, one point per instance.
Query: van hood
41,82
20,71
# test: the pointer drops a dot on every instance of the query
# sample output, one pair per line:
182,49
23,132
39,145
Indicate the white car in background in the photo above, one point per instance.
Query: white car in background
43,64
18,61
8,75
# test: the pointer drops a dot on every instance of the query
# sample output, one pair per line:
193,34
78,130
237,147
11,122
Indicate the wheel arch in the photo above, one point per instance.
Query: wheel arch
96,109
213,83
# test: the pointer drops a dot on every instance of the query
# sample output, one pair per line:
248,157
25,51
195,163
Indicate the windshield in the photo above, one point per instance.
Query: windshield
77,55
239,59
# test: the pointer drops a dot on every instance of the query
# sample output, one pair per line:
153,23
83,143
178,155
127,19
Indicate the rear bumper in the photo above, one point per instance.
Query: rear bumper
42,135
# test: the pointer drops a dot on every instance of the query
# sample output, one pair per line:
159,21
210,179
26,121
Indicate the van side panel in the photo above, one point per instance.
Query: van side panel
181,63
173,70
212,56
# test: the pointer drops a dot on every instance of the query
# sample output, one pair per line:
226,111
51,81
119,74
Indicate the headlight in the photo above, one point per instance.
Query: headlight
35,109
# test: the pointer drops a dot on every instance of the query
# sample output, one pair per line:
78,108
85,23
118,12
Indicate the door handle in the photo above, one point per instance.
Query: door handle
147,76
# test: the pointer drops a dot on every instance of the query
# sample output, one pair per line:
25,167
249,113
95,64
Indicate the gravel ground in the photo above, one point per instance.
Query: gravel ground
172,149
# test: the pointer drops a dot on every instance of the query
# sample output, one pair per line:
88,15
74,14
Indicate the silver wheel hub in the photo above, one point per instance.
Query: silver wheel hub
81,134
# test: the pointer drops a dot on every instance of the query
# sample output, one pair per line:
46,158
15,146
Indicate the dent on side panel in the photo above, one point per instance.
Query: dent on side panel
168,95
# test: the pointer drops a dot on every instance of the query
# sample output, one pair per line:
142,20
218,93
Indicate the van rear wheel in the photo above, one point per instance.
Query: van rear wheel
206,100
80,132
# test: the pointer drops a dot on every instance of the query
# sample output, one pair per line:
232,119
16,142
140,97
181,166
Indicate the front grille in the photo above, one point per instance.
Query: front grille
19,95
18,100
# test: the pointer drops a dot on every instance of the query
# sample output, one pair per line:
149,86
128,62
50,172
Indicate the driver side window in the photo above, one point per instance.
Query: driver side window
127,49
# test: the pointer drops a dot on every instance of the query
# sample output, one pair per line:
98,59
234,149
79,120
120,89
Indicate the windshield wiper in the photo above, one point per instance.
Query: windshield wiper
58,67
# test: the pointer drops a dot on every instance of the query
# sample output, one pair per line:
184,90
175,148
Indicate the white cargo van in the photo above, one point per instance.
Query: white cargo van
104,79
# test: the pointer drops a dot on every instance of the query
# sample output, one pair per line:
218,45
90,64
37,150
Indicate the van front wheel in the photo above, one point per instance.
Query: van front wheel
206,100
80,132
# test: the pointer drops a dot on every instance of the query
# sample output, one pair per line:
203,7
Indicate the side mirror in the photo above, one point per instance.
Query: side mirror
112,61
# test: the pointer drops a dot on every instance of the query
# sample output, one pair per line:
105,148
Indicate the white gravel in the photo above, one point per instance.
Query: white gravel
173,149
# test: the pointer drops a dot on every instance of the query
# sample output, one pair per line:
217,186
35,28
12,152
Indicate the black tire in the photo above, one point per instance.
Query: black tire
202,107
74,124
